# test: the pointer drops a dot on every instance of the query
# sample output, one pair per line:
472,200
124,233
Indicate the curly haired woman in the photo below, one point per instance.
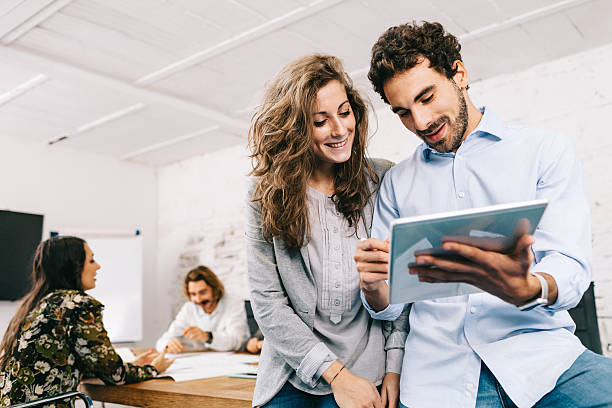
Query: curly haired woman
309,204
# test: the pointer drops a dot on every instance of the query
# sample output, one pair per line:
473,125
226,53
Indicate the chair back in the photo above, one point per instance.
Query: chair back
585,317
253,327
60,397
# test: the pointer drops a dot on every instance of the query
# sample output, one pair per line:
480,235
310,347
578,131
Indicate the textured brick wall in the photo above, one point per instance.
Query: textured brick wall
201,221
572,96
201,199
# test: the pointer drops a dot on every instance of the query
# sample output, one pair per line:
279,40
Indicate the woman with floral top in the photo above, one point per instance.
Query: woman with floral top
57,336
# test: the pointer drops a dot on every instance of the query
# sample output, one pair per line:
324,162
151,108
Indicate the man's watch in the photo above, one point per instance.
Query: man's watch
540,300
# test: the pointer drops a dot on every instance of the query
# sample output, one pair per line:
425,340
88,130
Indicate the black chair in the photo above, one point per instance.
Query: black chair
585,317
59,397
253,326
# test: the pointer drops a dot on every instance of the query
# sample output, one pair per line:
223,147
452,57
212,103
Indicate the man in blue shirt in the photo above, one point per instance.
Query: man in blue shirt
513,344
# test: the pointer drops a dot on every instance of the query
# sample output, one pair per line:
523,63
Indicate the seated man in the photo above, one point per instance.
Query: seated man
513,344
211,319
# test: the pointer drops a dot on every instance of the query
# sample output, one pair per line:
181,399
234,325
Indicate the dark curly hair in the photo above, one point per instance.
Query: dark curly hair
402,47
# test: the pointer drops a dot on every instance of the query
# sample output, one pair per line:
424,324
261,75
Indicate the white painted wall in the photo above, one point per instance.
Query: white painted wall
80,191
201,199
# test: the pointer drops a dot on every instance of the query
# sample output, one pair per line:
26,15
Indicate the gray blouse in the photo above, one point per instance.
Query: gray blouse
341,322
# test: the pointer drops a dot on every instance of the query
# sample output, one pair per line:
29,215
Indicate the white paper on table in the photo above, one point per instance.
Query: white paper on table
210,364
126,354
183,355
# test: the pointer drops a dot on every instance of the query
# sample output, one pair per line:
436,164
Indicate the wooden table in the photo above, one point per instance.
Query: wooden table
164,392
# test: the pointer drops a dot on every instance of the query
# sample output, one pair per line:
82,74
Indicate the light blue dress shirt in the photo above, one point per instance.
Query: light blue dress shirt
526,351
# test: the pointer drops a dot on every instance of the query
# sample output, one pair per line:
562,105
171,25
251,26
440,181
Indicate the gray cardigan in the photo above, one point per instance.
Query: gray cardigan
283,298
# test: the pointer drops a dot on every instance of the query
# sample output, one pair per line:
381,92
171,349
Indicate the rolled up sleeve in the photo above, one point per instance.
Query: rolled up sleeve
314,364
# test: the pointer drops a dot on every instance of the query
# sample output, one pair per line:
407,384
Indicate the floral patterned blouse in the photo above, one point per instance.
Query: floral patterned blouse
61,341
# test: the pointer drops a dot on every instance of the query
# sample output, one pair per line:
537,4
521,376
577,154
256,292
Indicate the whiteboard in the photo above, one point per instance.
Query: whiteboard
119,284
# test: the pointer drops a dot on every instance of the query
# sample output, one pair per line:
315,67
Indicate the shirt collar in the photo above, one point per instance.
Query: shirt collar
489,126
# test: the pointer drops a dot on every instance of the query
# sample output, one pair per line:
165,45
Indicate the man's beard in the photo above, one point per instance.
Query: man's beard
456,129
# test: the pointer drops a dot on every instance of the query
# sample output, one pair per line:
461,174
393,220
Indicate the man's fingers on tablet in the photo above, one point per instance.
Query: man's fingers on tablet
428,280
447,265
435,275
470,252
522,250
431,280
447,271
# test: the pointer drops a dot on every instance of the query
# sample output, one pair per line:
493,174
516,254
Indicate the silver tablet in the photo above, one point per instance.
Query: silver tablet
494,228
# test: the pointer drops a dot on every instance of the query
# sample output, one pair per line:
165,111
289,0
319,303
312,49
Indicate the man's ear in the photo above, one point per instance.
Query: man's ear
461,77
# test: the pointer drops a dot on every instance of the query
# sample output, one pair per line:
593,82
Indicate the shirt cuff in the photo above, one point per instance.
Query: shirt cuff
312,362
391,312
160,345
326,364
571,277
394,360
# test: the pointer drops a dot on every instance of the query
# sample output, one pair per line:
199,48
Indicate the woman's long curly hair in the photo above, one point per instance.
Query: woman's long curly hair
281,142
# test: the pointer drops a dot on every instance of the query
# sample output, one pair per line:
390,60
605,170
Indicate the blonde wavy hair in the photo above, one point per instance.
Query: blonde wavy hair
282,154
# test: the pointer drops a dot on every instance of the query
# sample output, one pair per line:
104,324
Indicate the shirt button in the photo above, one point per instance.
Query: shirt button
337,302
335,229
468,394
336,247
337,265
461,194
469,386
472,309
337,284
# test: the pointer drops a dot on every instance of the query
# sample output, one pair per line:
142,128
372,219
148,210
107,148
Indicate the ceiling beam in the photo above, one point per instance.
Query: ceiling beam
170,142
522,18
26,16
238,40
19,13
502,25
22,88
69,73
99,122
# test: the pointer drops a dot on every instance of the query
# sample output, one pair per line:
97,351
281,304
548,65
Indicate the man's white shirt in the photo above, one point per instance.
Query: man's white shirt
227,323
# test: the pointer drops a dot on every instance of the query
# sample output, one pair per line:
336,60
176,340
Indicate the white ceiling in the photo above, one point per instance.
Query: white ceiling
157,81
